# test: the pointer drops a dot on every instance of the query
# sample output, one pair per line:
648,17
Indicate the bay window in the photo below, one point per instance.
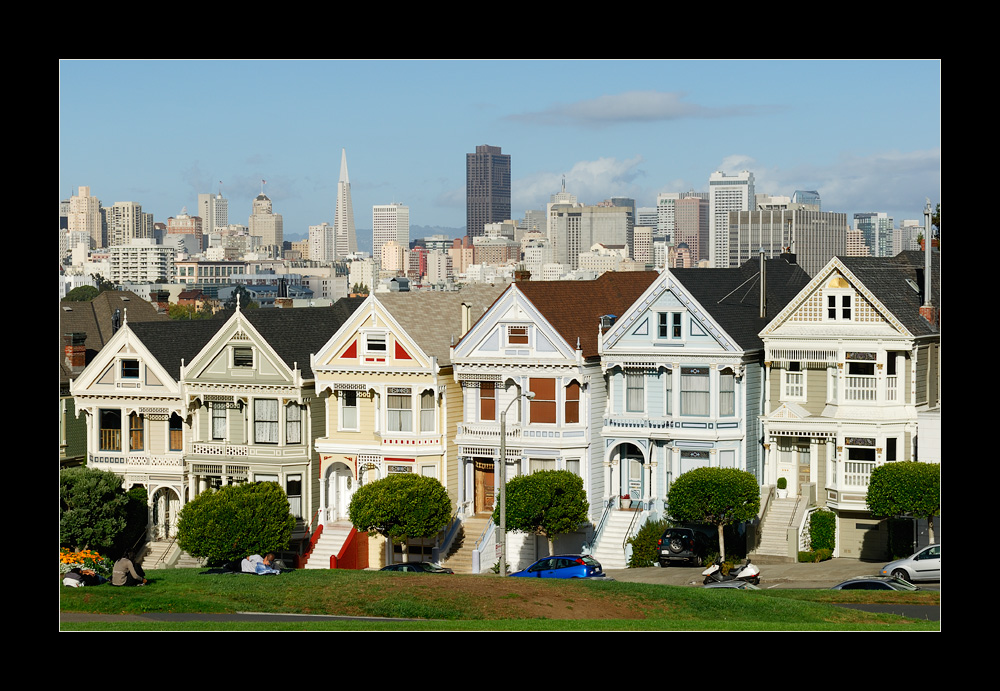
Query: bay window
542,408
399,410
695,390
265,420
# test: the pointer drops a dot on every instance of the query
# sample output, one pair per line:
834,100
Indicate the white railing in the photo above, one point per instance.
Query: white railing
489,430
860,389
892,388
856,474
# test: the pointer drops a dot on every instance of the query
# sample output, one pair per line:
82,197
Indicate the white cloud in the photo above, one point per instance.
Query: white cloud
590,181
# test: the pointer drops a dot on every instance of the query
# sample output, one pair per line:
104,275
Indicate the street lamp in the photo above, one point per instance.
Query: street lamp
503,479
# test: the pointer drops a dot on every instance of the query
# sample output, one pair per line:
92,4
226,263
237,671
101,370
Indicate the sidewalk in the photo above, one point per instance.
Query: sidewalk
797,575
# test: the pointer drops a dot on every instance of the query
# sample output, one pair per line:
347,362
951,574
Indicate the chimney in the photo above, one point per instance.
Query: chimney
75,350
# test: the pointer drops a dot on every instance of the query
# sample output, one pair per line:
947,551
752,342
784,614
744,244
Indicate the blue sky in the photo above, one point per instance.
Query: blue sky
866,134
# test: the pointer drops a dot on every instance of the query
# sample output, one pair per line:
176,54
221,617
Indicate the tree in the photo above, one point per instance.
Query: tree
717,496
906,488
548,503
246,302
94,509
82,294
235,521
401,506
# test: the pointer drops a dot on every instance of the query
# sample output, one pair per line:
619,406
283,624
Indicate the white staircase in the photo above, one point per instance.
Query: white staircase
459,558
774,529
330,542
158,555
609,549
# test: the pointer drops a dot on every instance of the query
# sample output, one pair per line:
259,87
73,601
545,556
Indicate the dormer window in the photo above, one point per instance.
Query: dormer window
130,369
243,356
517,335
838,307
375,344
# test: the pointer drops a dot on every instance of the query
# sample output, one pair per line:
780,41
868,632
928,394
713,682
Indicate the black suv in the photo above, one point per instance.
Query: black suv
680,544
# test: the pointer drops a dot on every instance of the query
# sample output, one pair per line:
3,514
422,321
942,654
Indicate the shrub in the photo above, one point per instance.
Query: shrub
644,543
815,556
823,530
93,508
235,521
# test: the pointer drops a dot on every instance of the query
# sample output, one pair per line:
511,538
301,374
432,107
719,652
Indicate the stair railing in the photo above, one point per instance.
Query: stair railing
608,506
631,524
447,536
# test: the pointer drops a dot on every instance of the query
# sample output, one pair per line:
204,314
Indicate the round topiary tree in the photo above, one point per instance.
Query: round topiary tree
93,508
548,503
401,506
236,521
906,488
717,496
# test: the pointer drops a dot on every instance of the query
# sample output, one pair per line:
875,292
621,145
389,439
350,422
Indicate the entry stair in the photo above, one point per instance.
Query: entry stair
459,557
329,544
609,549
773,546
165,554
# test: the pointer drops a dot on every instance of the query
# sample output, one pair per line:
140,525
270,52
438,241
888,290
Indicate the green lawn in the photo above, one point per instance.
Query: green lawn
478,603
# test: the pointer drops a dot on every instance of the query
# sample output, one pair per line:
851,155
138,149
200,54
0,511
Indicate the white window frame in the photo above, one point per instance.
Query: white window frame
635,395
509,332
428,414
243,348
398,420
342,421
793,381
215,418
727,373
670,325
839,306
703,395
374,339
293,422
272,427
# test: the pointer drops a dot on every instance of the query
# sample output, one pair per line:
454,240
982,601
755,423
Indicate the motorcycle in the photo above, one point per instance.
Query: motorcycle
748,572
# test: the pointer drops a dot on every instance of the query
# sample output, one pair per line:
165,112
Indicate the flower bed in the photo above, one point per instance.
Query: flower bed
85,559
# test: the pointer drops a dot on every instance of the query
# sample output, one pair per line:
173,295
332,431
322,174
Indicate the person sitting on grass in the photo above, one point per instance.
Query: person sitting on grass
127,573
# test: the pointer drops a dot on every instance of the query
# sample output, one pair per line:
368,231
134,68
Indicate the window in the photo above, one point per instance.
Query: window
635,392
727,393
669,325
573,402
399,409
668,394
293,488
219,417
487,400
375,344
293,423
838,307
794,381
175,432
265,421
110,430
349,410
695,389
135,432
130,369
890,449
427,411
537,464
573,465
542,407
242,356
517,335
860,377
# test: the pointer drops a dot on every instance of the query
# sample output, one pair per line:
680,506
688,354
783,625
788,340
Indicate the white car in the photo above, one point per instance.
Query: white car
925,565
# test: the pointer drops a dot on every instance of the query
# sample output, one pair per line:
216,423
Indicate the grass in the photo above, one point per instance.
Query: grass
477,603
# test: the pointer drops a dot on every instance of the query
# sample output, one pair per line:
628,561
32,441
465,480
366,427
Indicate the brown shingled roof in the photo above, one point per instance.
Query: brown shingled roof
574,308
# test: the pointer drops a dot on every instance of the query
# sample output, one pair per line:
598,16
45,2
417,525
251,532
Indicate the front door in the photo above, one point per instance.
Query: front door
632,480
485,489
340,489
804,459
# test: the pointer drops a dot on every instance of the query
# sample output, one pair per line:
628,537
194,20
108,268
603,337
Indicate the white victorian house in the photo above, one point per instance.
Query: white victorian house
539,337
684,367
853,364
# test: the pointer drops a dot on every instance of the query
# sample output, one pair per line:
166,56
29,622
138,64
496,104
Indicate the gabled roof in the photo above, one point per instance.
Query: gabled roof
898,283
575,308
294,334
433,319
732,296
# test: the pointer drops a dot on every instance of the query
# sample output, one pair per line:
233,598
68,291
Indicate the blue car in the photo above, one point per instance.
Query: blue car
564,566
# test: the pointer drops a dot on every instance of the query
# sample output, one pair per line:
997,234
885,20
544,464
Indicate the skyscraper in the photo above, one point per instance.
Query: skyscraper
345,236
390,222
487,188
214,212
876,231
266,224
725,193
85,216
126,221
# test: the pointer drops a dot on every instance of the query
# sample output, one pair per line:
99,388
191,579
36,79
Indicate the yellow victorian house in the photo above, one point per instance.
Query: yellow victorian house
393,406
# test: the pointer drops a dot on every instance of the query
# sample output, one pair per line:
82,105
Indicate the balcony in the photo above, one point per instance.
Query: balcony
847,483
135,462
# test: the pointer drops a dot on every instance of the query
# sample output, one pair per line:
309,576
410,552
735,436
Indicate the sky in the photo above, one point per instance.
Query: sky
865,134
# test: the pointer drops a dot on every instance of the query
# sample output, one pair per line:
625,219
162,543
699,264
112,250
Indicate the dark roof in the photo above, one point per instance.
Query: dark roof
294,334
94,319
732,296
575,308
893,281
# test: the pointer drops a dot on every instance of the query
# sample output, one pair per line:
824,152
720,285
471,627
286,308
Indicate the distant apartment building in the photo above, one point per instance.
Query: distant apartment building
439,268
141,261
363,272
201,273
814,237
185,224
603,258
642,244
394,259
726,193
691,228
574,228
214,212
266,224
85,215
906,236
876,232
125,222
390,222
321,242
856,246
462,254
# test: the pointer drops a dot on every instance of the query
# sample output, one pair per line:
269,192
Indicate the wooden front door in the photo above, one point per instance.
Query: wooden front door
485,486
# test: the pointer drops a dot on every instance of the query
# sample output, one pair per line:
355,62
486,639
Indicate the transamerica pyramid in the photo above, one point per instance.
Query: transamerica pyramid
345,237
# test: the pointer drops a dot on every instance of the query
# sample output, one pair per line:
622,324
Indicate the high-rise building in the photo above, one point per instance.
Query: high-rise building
390,222
214,212
808,197
85,215
125,222
575,228
345,235
725,193
691,218
266,224
876,232
814,237
487,188
905,237
321,244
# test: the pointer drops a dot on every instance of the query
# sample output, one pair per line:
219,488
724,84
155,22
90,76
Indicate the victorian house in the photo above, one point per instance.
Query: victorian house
684,370
852,363
531,365
180,407
392,407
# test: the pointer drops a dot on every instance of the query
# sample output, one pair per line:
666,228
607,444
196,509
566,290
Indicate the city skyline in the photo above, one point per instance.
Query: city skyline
865,134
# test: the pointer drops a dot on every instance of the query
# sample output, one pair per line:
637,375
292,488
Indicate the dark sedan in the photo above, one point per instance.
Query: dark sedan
875,583
416,567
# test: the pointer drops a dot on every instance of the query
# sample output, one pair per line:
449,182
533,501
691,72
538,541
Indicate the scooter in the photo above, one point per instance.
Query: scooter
748,572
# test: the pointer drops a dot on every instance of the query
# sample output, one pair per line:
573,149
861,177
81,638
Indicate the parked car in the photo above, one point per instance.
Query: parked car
924,565
875,583
736,585
417,567
564,566
681,544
